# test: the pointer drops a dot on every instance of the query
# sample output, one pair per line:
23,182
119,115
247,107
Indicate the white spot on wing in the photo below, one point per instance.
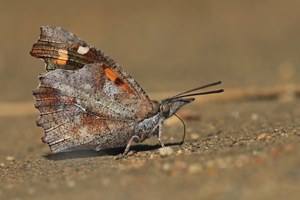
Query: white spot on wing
82,50
63,52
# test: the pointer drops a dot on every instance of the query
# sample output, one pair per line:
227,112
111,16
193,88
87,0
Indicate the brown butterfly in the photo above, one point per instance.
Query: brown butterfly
87,101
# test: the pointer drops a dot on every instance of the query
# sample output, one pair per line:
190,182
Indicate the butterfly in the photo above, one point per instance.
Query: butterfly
87,101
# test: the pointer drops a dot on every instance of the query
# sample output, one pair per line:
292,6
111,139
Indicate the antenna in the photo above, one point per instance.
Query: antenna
198,88
200,93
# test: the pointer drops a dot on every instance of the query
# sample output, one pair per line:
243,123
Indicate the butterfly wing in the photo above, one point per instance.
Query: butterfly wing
84,109
63,50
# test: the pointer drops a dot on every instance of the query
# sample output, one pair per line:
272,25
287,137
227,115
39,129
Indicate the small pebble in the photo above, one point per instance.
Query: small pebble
10,158
165,151
255,153
166,167
151,156
179,151
263,136
195,136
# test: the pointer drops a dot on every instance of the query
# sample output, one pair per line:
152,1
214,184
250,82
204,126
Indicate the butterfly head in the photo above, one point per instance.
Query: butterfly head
171,105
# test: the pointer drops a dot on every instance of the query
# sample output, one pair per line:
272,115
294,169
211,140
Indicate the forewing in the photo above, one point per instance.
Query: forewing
84,109
61,49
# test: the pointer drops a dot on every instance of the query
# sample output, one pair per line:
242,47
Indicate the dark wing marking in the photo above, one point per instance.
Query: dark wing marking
61,49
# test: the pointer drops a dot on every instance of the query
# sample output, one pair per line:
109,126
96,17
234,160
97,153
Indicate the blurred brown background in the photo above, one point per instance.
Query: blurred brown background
164,45
235,149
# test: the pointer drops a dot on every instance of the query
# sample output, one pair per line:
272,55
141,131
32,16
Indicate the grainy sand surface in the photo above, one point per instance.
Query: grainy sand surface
241,144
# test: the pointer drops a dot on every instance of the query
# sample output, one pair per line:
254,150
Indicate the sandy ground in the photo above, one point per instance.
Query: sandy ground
242,144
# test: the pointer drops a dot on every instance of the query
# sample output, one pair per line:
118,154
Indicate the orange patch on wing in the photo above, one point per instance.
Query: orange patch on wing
59,62
62,57
113,76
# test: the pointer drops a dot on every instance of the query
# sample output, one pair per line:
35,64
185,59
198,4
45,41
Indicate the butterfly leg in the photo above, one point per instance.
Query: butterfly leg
134,138
159,135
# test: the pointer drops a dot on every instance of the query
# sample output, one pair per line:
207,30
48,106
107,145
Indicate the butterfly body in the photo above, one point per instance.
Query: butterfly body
87,101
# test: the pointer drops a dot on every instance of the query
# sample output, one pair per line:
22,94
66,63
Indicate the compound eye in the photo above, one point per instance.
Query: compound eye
165,109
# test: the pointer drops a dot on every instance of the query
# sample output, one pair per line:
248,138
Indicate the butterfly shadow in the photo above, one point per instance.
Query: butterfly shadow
106,152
